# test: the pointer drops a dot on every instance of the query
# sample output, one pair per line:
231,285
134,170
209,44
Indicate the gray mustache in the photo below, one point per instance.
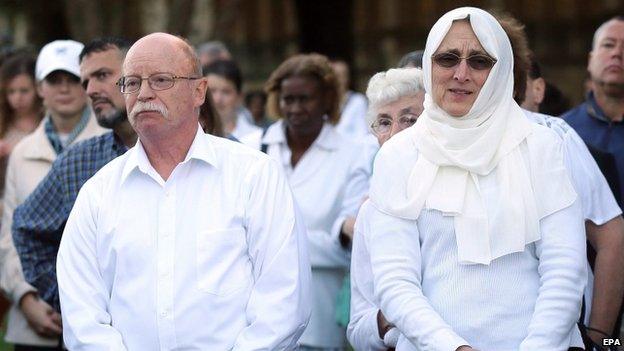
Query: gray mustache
148,106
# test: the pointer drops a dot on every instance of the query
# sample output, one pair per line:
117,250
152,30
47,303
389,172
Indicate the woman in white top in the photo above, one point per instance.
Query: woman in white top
329,177
477,237
395,101
225,83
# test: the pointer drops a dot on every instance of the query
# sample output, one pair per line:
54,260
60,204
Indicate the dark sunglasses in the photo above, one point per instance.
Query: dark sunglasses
477,62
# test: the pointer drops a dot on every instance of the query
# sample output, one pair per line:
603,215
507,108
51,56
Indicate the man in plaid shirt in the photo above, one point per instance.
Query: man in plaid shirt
39,222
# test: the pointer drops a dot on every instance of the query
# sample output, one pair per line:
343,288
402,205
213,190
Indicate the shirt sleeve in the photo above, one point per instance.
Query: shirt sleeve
12,281
325,248
563,274
83,293
598,202
37,228
396,264
357,110
363,331
278,310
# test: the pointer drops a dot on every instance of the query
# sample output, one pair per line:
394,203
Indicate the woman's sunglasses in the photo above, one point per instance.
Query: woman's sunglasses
477,62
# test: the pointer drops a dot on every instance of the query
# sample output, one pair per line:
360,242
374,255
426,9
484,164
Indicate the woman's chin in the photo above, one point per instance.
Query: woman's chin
457,112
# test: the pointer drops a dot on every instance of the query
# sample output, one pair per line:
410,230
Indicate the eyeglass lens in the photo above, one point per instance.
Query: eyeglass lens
159,81
477,62
384,125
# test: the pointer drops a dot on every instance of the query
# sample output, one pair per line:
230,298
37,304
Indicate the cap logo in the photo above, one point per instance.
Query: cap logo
61,51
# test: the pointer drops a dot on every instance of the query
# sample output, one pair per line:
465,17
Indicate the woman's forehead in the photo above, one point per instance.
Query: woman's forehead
412,101
461,37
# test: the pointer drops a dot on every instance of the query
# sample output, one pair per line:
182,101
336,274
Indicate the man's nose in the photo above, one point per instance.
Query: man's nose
93,88
145,92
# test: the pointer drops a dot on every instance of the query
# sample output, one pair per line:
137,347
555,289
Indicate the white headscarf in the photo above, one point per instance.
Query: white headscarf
455,151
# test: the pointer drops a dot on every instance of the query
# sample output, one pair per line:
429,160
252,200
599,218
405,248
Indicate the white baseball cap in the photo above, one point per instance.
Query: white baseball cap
58,55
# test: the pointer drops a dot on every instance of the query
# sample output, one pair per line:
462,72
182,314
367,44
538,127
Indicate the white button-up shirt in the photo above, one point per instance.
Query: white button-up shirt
353,116
214,258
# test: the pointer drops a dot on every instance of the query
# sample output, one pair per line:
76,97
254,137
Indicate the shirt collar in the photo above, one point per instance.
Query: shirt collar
594,110
201,149
328,139
39,147
53,135
117,145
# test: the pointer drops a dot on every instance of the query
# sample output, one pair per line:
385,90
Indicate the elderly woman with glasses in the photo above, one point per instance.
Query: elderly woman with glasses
477,238
395,101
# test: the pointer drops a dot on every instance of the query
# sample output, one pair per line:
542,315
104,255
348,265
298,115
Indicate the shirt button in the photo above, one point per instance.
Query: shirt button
163,313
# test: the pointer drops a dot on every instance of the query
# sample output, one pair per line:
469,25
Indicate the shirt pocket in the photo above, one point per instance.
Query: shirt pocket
223,265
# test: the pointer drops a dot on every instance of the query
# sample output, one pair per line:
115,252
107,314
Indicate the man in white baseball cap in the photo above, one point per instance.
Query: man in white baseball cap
59,55
33,324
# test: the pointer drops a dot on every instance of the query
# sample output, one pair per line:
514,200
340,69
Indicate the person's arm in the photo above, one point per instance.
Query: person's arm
278,309
356,191
608,242
42,318
396,264
364,329
12,282
37,228
563,273
84,296
331,249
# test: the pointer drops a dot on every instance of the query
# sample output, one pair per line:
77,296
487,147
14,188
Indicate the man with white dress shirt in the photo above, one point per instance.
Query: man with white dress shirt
187,241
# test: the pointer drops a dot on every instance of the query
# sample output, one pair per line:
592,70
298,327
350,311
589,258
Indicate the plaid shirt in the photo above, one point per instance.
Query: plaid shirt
38,223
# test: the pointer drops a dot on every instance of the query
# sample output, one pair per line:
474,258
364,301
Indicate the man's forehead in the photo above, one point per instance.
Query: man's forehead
110,59
613,30
153,61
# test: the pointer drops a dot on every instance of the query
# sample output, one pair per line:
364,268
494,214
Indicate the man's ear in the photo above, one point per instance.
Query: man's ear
199,93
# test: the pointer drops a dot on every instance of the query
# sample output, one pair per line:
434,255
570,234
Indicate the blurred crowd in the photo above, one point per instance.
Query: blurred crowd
461,203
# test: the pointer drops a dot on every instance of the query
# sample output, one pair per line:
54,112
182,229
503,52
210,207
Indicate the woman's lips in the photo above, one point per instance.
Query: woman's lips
460,91
65,101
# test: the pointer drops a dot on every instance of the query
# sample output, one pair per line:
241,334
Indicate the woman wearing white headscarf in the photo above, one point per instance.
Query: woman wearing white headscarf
477,240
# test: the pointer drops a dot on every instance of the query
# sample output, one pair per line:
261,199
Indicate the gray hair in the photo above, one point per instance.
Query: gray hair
412,59
391,85
602,28
213,48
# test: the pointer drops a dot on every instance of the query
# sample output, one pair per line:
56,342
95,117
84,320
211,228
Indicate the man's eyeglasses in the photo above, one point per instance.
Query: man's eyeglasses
383,126
157,81
477,62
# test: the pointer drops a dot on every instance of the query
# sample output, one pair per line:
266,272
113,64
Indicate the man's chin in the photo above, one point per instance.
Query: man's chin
110,120
613,89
